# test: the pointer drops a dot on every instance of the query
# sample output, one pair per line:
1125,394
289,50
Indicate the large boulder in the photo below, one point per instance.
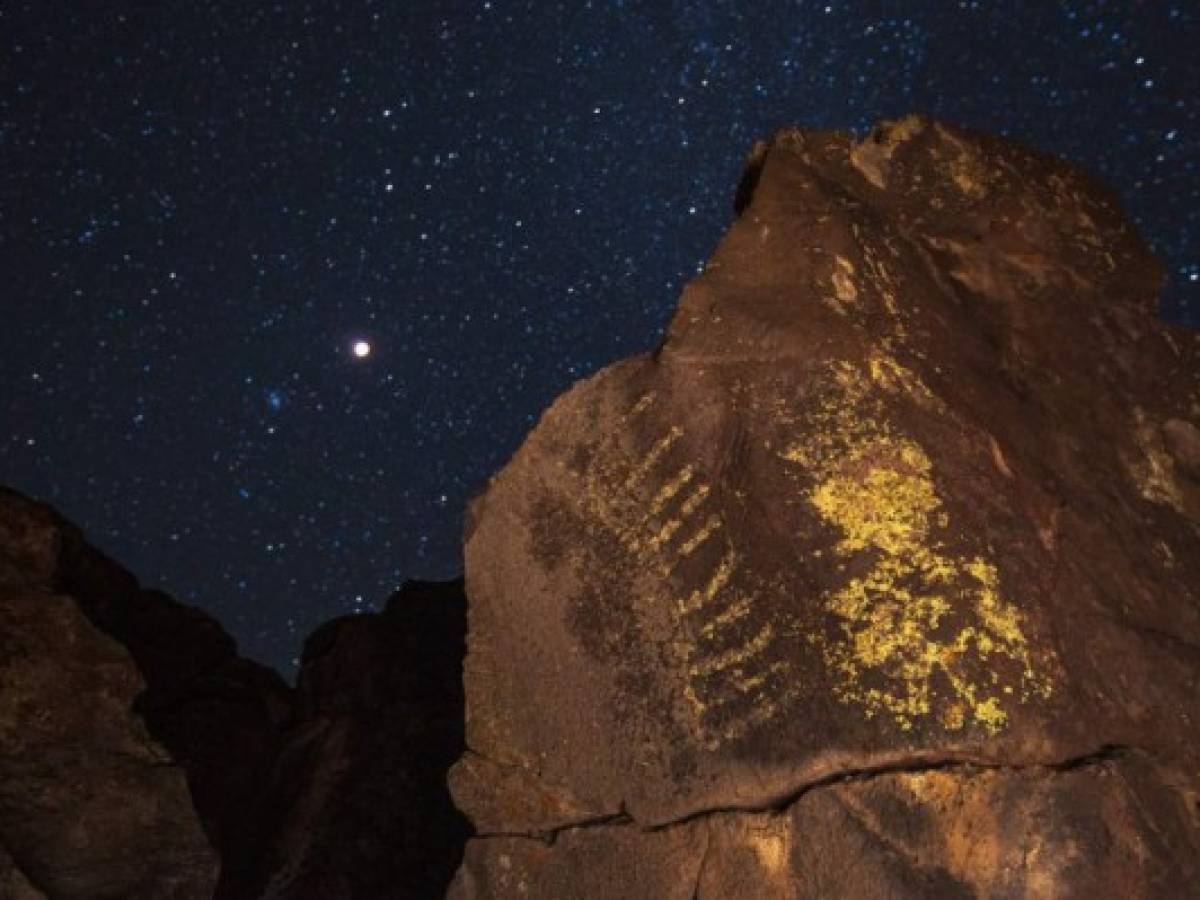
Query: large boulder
881,576
130,730
91,806
217,718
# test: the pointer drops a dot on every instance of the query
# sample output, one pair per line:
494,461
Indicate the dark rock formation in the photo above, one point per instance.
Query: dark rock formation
881,577
360,796
90,805
111,695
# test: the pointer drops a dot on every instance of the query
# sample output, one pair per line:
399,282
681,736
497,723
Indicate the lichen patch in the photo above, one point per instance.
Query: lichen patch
925,633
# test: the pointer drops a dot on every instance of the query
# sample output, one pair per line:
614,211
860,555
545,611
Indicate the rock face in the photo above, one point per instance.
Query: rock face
361,806
880,577
90,805
139,754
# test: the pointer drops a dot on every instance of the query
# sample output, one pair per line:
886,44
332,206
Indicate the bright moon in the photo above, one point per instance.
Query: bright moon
362,349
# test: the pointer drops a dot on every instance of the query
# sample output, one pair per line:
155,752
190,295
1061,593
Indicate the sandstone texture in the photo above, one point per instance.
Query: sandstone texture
879,577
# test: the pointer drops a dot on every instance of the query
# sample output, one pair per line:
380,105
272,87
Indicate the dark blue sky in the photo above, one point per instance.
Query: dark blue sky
203,205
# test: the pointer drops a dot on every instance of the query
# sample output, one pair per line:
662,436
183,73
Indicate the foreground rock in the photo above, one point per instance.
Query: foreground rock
139,754
90,805
880,577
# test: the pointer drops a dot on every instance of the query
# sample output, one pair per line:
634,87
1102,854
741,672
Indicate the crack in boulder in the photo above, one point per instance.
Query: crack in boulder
911,766
780,802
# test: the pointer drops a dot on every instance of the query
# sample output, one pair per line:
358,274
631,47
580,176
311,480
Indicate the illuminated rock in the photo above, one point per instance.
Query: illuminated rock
908,496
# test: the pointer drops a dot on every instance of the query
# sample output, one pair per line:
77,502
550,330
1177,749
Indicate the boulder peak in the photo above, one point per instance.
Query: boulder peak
911,469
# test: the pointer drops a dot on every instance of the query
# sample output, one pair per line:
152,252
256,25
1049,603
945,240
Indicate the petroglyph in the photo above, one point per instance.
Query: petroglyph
665,513
895,378
735,656
706,531
879,277
872,157
966,169
998,458
920,633
845,291
719,578
671,488
739,609
641,406
660,448
887,291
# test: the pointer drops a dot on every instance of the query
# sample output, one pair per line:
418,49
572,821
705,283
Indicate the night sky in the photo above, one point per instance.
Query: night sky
205,206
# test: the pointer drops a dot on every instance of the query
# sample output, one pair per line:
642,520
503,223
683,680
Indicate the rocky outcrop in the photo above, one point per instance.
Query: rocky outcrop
139,754
361,805
90,804
879,577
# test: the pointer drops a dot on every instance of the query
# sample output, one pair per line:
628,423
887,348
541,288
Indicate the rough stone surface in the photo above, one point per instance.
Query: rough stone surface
218,716
361,805
1105,827
90,805
110,695
878,577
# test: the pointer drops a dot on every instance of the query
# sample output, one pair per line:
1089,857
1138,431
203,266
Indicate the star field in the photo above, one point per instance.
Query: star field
209,209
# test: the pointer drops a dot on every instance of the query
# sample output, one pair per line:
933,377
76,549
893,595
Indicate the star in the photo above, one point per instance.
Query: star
451,246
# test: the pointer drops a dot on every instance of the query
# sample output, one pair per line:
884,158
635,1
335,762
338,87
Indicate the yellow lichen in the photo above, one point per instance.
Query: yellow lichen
882,497
954,717
923,632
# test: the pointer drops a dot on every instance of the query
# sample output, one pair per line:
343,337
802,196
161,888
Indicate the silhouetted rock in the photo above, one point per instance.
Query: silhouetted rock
881,577
219,716
90,805
360,792
111,694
